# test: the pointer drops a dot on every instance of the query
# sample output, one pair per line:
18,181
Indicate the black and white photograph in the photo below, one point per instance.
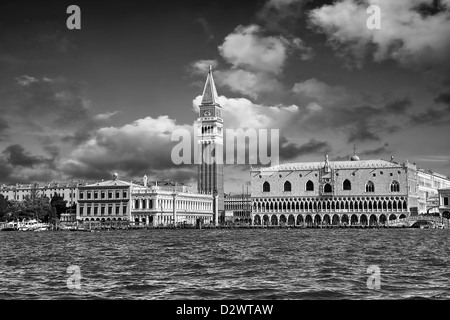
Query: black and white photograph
225,155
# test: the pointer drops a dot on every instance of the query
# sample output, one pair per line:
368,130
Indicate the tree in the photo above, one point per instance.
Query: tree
3,207
59,204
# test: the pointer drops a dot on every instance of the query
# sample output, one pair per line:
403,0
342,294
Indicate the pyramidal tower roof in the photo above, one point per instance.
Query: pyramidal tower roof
210,95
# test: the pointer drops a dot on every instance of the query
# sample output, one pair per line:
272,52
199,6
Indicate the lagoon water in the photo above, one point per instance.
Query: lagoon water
226,264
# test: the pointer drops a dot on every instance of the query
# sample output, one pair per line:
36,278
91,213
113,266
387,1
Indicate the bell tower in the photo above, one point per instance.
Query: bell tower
210,140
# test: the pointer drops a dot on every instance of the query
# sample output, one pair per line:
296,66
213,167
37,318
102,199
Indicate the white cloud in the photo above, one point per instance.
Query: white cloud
247,47
243,113
323,93
105,116
406,36
201,67
248,83
25,80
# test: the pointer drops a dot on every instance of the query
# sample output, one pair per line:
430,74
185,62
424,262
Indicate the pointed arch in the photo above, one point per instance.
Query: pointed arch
266,187
395,186
370,186
309,186
327,188
291,220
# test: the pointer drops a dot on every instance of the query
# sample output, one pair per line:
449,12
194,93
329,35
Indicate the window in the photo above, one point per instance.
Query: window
117,194
117,209
110,194
88,195
95,195
287,186
124,194
103,195
266,187
445,201
88,210
124,209
370,187
109,209
95,209
347,185
81,211
81,195
395,186
309,186
327,188
136,204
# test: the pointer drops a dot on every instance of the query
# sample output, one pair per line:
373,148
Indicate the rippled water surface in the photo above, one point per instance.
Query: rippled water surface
226,264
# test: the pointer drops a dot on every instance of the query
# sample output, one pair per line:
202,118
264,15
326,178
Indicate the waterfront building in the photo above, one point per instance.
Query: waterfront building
364,192
429,183
210,137
18,192
444,202
117,200
238,208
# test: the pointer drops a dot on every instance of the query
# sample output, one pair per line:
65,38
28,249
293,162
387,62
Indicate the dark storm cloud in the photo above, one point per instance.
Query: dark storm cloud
433,115
17,165
4,126
56,108
398,107
365,123
375,152
430,9
16,155
290,150
61,101
444,98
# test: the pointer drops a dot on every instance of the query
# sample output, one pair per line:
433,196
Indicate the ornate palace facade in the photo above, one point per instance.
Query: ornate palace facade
364,192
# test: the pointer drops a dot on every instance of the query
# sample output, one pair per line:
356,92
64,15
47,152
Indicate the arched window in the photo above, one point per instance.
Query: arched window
327,188
287,186
309,186
395,186
266,187
370,187
347,185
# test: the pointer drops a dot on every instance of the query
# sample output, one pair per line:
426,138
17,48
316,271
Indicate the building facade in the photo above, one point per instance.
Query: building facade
444,202
355,192
210,140
18,192
117,200
238,208
429,183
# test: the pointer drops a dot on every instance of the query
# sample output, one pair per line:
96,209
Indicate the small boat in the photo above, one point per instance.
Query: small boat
31,225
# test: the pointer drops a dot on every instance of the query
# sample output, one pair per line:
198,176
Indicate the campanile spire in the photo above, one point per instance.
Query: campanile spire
210,95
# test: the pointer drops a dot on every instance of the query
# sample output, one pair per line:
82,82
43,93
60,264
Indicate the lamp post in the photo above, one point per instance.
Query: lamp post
216,207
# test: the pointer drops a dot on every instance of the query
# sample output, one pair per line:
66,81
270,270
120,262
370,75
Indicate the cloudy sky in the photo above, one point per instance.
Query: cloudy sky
78,104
